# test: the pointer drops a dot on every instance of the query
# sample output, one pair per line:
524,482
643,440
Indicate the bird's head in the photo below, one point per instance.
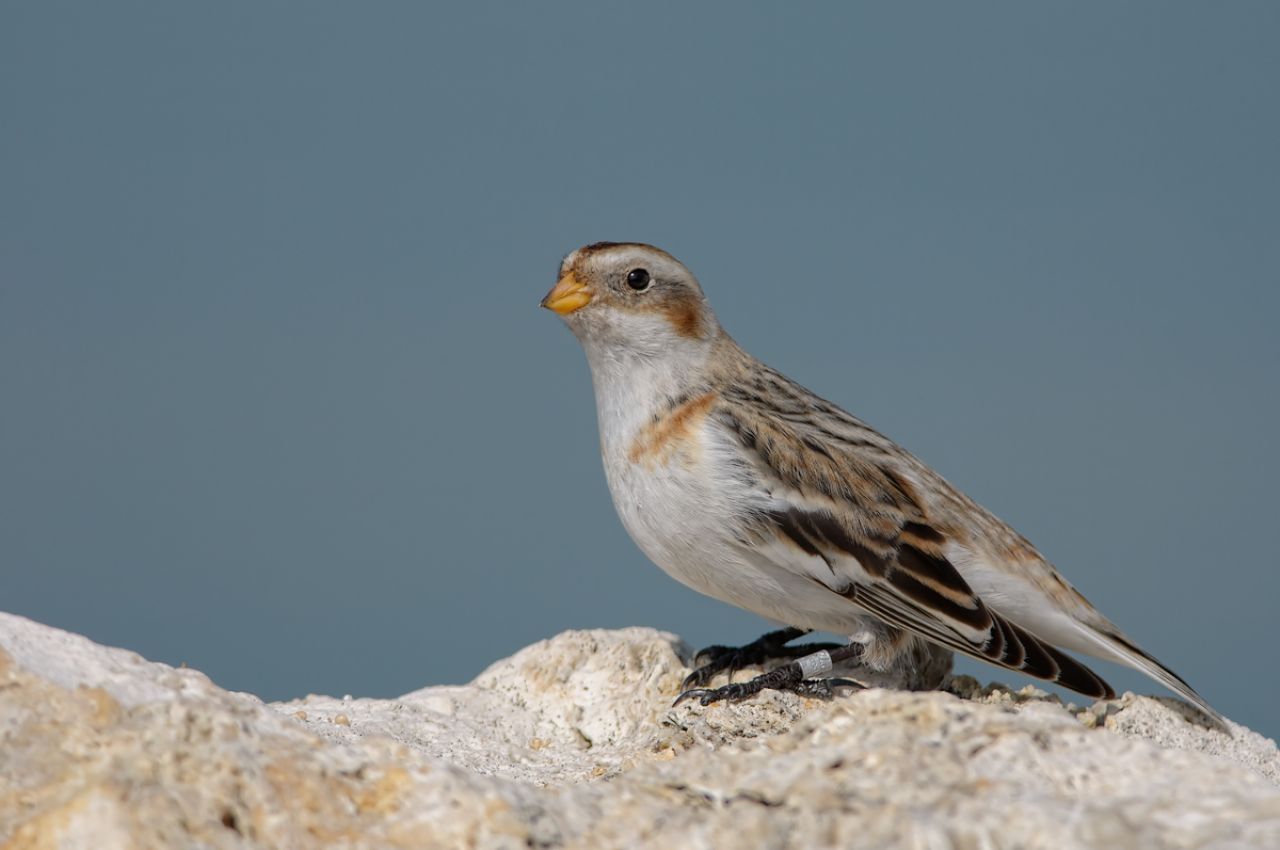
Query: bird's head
634,298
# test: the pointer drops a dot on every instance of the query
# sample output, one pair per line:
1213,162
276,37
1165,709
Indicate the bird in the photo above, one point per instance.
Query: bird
745,486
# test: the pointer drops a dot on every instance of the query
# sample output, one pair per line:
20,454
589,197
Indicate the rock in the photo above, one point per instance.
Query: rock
572,743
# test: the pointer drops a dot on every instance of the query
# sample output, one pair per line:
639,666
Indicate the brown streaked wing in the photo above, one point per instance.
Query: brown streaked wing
909,581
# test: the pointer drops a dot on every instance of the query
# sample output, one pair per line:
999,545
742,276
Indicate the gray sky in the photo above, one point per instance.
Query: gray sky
278,401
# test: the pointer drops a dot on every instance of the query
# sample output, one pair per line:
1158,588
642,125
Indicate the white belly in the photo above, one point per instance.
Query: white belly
683,513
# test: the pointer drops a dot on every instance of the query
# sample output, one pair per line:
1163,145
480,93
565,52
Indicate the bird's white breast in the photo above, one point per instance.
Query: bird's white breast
671,471
662,479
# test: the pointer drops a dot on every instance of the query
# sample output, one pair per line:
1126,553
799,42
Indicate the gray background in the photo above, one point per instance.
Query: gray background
278,401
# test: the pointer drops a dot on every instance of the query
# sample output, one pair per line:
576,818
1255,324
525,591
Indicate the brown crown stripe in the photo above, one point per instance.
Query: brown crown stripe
597,247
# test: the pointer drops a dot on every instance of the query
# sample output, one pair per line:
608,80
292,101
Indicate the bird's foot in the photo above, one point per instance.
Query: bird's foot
719,659
798,677
789,677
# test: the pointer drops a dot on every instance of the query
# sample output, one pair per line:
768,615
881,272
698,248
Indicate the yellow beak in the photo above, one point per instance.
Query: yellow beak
568,295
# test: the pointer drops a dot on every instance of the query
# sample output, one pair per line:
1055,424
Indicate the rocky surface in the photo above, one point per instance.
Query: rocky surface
572,743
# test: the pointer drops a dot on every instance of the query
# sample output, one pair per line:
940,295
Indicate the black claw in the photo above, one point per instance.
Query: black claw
730,659
711,653
689,694
783,678
736,691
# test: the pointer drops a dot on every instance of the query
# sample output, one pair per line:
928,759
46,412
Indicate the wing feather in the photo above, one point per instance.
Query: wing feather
909,597
864,520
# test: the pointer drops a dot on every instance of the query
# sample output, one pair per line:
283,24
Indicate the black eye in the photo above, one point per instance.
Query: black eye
638,279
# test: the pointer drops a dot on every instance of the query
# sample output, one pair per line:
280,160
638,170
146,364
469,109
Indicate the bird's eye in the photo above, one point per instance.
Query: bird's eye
638,279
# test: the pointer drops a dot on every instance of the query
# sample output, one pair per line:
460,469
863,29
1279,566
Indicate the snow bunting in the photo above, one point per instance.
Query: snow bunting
745,486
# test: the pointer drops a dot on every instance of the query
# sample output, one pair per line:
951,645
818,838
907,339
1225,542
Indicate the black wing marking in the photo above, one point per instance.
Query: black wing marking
914,587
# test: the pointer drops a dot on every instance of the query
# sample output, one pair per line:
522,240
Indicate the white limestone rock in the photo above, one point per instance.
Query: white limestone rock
572,742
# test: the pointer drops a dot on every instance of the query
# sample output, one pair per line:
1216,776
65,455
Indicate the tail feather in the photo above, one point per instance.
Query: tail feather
1115,646
1018,649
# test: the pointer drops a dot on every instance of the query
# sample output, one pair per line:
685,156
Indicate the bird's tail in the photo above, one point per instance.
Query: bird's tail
1113,645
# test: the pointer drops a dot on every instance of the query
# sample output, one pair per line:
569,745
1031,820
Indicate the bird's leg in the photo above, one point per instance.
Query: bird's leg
718,659
799,677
